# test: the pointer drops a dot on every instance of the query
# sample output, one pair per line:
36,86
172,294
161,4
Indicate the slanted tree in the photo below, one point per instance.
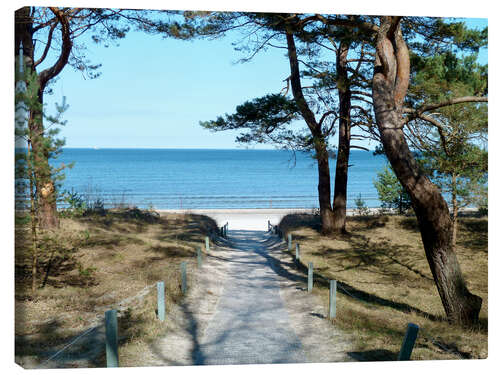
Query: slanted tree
390,84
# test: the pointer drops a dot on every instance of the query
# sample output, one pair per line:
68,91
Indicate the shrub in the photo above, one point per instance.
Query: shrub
361,208
390,191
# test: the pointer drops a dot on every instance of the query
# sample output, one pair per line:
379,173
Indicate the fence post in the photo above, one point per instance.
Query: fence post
289,242
111,324
198,256
297,252
268,224
310,277
183,278
207,244
160,286
333,299
408,342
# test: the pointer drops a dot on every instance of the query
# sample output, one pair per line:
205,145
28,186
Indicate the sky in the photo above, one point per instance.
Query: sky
153,92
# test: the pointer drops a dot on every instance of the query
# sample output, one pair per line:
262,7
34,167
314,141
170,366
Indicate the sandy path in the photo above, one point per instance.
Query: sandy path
248,305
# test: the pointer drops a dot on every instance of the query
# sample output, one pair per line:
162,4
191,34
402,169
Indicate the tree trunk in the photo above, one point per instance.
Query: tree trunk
454,204
390,82
45,189
341,170
324,190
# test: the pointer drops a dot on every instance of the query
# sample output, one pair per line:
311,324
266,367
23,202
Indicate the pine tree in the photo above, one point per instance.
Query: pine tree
453,140
31,163
391,193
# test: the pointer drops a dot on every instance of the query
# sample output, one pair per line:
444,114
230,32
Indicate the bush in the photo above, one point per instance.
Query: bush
390,191
76,204
361,208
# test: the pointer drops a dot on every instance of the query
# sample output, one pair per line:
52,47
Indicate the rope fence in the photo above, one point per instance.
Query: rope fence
412,329
110,321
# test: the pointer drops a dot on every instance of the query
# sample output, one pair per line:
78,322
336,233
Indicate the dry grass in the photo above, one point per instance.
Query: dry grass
381,262
93,264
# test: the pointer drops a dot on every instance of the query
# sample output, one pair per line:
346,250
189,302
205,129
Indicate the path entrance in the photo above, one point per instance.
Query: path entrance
251,323
249,305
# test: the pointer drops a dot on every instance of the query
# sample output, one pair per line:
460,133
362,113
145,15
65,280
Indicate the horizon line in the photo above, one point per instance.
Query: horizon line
179,148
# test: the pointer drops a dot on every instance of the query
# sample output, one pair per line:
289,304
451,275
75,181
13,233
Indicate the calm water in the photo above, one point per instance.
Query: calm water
195,178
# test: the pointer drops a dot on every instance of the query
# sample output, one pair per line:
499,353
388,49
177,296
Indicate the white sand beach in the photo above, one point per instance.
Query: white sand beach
250,219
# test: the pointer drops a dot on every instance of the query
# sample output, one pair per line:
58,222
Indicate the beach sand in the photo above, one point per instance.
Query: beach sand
252,218
249,219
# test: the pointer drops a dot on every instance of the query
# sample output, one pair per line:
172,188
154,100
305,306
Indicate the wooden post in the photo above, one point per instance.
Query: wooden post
310,277
408,342
297,252
198,256
268,225
160,286
289,242
111,324
332,313
183,278
207,244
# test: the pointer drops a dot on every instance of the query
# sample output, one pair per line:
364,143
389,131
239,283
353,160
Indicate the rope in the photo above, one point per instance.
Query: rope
68,345
422,332
349,294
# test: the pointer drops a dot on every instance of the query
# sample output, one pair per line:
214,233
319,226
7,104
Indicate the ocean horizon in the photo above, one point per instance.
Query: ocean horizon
198,178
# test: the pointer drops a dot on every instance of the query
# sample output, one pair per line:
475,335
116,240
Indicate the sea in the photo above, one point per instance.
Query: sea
209,178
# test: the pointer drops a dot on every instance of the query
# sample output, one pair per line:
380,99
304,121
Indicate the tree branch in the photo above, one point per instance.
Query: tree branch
431,107
67,44
47,45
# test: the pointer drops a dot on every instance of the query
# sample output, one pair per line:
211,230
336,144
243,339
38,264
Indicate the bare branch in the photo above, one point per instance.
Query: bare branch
67,44
431,107
47,45
359,147
325,115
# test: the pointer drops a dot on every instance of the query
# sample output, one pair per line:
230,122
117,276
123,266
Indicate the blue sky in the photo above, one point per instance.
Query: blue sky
154,91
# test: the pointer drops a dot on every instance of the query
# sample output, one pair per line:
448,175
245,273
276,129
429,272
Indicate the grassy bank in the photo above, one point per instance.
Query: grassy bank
97,262
385,283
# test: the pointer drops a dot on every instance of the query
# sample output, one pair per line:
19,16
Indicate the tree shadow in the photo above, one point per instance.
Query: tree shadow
473,234
172,251
374,355
275,244
50,347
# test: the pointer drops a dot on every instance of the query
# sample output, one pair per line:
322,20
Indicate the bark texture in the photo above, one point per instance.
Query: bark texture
344,142
320,146
390,83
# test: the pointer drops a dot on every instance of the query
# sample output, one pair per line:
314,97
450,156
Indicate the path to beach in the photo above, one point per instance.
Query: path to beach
247,305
